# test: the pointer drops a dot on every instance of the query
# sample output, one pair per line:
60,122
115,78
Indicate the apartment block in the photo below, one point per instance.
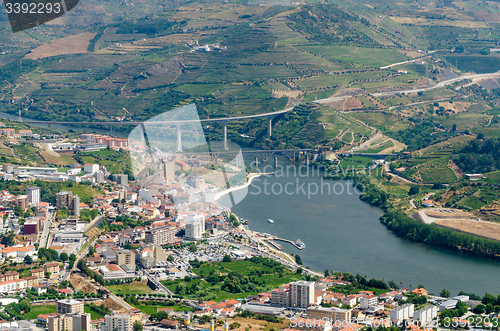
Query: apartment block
333,314
126,257
426,314
281,296
69,322
301,294
161,235
402,312
69,306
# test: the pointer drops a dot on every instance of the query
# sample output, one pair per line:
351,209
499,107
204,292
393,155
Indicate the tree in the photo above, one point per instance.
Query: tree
8,239
227,258
489,308
445,293
414,190
28,259
64,256
72,257
326,273
193,248
479,309
170,258
137,326
47,274
18,211
298,259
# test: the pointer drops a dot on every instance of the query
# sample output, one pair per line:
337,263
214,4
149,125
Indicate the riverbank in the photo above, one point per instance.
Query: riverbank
247,184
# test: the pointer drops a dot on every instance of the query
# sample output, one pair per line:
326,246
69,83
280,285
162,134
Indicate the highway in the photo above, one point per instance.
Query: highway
473,77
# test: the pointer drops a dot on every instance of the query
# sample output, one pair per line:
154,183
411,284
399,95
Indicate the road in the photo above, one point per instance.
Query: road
401,63
473,77
157,283
46,229
366,143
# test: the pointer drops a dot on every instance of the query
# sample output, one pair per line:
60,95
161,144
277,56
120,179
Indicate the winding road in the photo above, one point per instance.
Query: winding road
474,77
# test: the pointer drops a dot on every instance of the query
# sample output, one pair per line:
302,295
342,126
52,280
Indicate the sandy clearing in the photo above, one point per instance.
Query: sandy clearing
73,44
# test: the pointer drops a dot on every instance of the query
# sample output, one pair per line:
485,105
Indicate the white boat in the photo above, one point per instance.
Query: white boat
270,220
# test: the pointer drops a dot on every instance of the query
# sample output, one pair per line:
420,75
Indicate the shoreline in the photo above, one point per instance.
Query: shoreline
236,188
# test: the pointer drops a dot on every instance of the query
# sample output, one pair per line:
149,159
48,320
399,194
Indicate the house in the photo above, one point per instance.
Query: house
350,300
169,324
420,291
43,318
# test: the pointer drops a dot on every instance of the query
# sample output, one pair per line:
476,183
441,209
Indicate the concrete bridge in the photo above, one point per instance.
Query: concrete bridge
292,154
177,124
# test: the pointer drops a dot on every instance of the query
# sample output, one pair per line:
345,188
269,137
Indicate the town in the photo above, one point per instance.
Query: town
125,259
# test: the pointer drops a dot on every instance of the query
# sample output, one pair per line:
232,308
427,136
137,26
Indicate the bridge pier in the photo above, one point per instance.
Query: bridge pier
307,160
111,130
256,161
276,162
179,142
224,124
269,126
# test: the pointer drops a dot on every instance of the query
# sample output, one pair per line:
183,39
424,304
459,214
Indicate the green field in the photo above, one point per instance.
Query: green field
356,162
261,276
37,310
133,288
372,57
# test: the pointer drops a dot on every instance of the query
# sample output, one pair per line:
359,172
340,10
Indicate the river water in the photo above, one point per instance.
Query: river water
343,233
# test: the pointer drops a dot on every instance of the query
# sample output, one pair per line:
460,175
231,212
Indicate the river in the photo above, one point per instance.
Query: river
342,233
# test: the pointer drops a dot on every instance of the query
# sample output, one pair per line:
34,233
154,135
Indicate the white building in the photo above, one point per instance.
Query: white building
144,194
13,285
402,312
90,168
117,322
33,193
368,301
448,304
195,226
301,294
426,314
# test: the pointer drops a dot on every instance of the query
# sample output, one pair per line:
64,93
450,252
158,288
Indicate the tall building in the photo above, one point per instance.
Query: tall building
76,205
169,170
67,200
195,226
121,179
22,201
402,312
301,294
69,306
119,322
161,235
69,322
126,257
368,301
33,193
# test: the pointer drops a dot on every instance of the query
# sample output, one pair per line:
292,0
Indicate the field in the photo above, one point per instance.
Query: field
479,64
213,290
37,310
482,229
69,45
356,162
132,288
